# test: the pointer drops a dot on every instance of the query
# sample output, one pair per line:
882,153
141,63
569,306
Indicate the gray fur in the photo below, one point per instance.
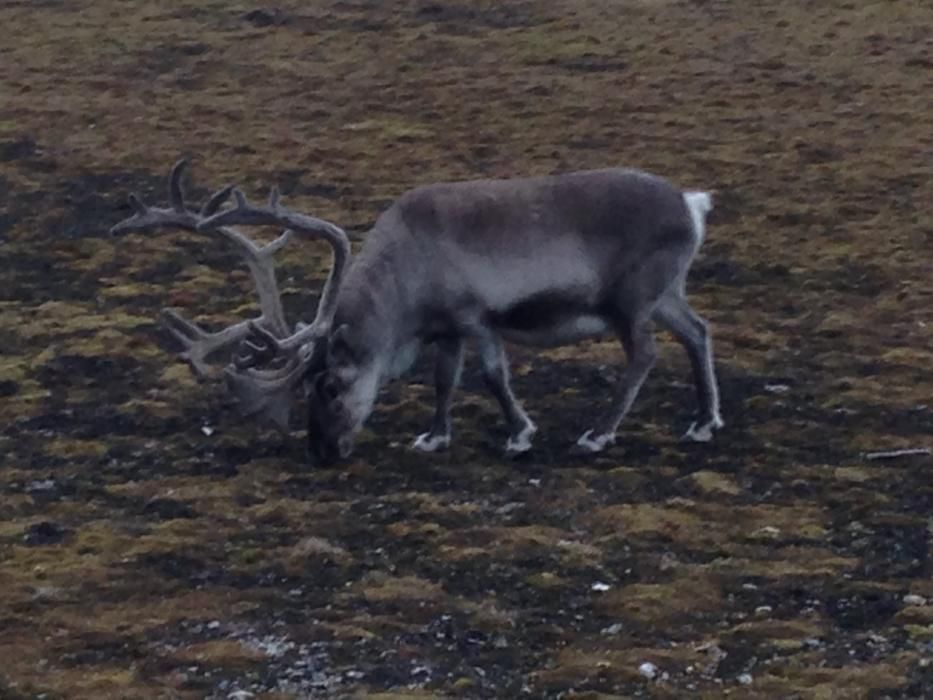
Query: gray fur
540,261
537,261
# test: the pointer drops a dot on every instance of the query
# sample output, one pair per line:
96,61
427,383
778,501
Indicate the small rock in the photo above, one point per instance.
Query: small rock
600,587
265,17
745,679
768,531
44,533
763,610
777,388
509,508
463,684
46,593
207,430
914,599
614,628
648,670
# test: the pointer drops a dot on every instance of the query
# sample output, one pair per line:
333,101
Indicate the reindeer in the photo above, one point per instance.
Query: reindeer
538,261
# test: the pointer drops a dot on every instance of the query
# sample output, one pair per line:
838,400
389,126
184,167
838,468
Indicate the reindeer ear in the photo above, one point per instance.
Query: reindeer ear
339,351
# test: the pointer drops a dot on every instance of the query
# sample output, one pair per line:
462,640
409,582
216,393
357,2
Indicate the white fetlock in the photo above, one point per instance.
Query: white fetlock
521,443
703,433
426,442
595,443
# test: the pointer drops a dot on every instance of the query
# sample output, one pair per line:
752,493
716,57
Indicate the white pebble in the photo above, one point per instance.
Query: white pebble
914,599
745,679
768,531
648,670
777,388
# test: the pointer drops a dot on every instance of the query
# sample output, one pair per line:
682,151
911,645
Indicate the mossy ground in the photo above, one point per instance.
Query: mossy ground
142,558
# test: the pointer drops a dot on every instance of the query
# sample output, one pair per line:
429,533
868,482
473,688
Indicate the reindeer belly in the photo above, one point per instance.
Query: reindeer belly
548,320
545,291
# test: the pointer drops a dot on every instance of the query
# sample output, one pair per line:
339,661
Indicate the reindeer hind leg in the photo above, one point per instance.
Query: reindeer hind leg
675,314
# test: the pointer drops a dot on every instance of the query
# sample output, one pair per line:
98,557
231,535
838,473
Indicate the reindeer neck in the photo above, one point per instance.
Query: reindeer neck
376,302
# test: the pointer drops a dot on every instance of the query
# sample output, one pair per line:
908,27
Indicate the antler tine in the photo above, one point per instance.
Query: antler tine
258,348
247,214
146,218
176,190
198,343
217,199
267,393
137,205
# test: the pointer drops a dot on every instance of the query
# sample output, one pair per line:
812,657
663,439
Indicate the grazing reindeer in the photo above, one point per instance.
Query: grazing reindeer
539,261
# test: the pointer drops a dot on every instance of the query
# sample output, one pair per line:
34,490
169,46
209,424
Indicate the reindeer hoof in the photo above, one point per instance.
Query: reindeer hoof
426,442
703,433
595,443
520,443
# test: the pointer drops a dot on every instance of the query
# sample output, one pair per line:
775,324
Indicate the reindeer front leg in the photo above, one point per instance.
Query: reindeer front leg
446,378
496,372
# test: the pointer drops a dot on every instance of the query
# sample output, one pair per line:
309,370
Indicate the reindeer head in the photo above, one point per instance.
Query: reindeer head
341,392
271,362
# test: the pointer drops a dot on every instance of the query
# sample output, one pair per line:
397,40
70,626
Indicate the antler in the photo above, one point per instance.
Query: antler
275,384
262,345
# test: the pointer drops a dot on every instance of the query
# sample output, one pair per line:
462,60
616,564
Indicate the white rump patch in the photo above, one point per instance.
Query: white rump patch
700,204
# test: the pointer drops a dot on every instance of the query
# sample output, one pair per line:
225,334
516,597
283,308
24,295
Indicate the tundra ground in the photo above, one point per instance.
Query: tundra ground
155,545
